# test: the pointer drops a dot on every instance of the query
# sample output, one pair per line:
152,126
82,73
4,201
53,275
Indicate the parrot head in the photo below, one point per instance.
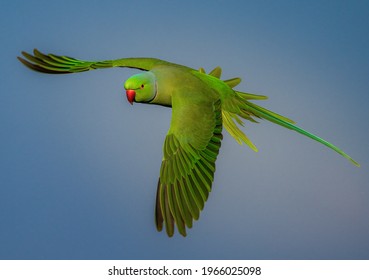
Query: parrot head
141,87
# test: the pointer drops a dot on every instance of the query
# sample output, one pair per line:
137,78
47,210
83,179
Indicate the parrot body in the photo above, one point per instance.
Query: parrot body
202,104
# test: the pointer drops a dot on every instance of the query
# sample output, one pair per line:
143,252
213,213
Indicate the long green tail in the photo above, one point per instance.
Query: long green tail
249,110
266,114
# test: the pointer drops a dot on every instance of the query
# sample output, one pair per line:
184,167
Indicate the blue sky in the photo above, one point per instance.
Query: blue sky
79,164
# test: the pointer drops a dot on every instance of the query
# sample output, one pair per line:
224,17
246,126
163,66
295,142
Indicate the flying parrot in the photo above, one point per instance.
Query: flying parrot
201,104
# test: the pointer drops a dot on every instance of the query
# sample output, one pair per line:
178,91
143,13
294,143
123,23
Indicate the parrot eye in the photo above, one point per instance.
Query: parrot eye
142,86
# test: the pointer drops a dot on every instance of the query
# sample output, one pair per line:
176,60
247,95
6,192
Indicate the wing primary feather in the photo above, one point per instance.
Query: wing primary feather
206,175
158,211
188,162
192,207
175,211
208,162
211,154
35,67
55,64
186,215
202,183
183,169
213,147
195,192
62,59
168,219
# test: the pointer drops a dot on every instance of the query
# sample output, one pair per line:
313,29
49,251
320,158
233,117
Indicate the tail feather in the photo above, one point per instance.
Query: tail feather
234,131
282,121
260,110
250,96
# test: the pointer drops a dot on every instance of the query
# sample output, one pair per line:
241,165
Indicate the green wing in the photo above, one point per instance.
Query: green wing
55,64
190,150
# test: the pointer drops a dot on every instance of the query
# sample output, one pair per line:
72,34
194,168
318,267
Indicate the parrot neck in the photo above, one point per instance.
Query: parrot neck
155,93
162,97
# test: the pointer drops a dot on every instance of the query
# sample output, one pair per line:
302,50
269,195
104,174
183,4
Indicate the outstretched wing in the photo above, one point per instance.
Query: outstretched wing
55,64
190,150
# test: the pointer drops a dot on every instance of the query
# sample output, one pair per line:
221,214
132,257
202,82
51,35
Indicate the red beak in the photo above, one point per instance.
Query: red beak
130,95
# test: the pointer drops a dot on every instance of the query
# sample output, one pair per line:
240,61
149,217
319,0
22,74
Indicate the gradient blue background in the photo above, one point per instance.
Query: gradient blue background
79,165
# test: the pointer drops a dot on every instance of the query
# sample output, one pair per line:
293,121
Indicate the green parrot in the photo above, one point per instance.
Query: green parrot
201,105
